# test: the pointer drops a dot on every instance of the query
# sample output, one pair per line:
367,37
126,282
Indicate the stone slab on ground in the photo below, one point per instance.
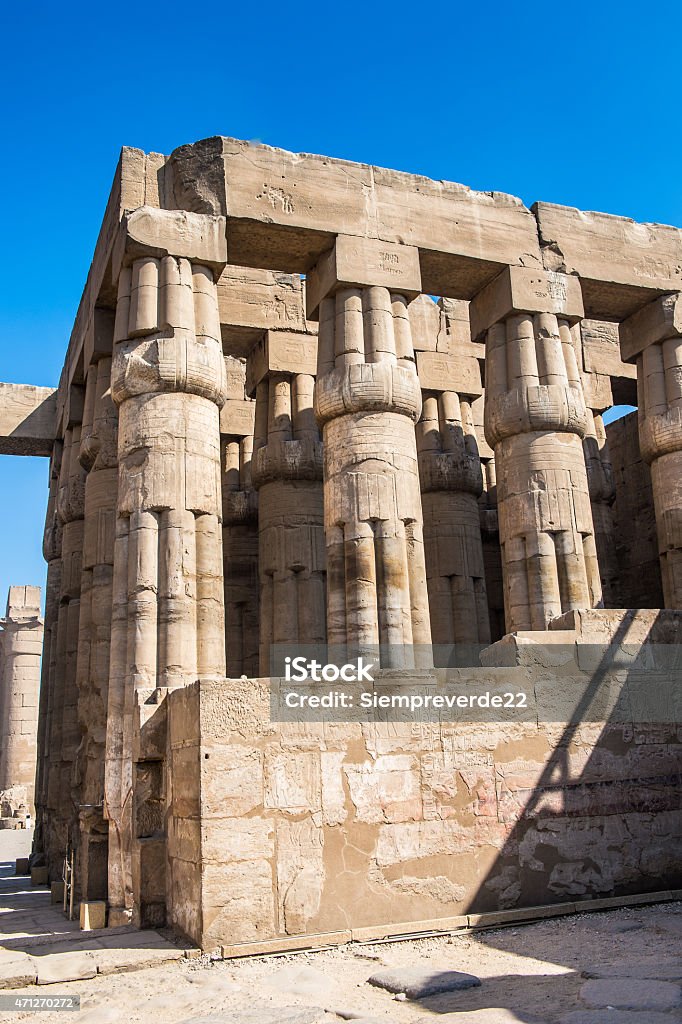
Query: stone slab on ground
613,1017
60,967
654,971
266,1015
489,1015
631,994
16,969
419,982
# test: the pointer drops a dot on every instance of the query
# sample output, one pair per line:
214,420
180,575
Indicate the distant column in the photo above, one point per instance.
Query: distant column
52,553
240,537
535,419
451,482
367,400
653,336
22,646
287,472
602,496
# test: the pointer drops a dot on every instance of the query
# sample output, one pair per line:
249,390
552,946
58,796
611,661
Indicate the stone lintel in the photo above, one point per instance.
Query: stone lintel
280,352
28,419
146,231
442,372
655,322
360,263
522,290
237,417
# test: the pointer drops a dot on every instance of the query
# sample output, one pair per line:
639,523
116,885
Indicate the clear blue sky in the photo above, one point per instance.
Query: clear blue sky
571,103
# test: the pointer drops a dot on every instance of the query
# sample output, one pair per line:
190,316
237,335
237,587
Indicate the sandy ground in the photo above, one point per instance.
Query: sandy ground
529,973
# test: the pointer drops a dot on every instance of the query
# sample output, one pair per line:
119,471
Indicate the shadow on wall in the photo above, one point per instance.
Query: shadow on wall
604,818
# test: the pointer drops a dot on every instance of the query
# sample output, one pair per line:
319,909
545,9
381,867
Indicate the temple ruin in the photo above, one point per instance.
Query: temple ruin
309,402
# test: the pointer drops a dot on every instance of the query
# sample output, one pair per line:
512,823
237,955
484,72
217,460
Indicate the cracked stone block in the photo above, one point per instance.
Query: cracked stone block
653,971
417,983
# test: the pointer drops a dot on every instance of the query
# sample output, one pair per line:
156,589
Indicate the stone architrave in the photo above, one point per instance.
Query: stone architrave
21,646
168,380
367,400
287,473
535,419
653,336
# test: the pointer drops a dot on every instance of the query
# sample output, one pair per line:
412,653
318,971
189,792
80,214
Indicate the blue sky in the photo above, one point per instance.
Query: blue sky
574,103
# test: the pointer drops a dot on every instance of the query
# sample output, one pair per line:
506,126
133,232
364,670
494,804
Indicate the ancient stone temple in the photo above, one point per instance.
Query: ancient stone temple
321,404
21,646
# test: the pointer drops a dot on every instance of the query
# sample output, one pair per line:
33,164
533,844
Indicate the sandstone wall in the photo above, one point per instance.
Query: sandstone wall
282,829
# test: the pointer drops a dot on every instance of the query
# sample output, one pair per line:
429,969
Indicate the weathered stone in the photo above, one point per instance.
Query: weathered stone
632,993
55,968
419,982
28,419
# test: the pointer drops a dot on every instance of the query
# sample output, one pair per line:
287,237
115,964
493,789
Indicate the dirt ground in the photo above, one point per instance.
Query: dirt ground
529,973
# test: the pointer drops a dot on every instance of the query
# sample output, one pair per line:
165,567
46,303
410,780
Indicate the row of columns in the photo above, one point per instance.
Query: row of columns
353,486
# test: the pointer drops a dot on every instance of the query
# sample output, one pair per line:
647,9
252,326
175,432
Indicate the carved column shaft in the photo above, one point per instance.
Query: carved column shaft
98,455
64,734
367,399
654,336
240,556
52,548
168,381
287,472
451,481
535,418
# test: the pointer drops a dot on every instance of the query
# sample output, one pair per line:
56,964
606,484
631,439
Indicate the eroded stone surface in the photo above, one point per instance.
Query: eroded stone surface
419,982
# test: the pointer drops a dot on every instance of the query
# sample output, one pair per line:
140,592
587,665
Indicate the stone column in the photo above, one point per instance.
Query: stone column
287,473
602,496
52,553
168,381
98,455
240,537
451,482
535,419
64,734
22,646
653,336
367,399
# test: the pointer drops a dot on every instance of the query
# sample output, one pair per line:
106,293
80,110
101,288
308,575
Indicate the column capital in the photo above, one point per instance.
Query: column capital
519,290
148,232
355,262
655,322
